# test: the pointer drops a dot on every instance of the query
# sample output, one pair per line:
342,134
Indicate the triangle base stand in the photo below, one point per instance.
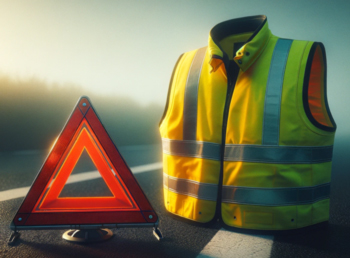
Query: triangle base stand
80,235
158,235
13,237
87,235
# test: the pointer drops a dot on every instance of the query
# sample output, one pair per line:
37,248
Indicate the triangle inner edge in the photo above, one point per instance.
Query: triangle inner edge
121,199
85,170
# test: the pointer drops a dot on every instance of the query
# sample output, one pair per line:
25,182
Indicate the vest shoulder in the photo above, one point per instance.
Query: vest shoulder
297,45
296,41
192,52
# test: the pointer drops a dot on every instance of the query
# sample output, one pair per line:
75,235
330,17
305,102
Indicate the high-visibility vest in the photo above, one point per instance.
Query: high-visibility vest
247,133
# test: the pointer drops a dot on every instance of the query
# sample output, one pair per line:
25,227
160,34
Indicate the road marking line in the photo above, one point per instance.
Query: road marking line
21,192
231,244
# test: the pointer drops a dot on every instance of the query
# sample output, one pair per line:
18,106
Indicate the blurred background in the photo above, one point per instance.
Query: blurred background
121,54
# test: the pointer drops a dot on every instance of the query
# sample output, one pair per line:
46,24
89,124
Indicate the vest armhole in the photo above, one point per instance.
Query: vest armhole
169,90
315,89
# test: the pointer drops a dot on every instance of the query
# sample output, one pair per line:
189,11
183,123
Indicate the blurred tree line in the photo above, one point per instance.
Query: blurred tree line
33,113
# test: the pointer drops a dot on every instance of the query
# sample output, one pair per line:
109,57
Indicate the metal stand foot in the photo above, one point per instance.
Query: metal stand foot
14,236
157,234
87,235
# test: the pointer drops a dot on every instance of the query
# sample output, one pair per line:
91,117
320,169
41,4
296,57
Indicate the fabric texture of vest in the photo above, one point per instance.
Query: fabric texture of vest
247,133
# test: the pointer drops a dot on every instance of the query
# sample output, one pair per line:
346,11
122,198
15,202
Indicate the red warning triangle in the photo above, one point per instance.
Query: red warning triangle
43,206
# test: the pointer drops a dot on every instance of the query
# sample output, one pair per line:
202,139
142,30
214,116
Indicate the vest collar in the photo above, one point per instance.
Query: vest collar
250,51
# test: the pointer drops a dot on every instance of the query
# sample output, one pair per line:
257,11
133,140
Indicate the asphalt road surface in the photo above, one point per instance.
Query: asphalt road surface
181,239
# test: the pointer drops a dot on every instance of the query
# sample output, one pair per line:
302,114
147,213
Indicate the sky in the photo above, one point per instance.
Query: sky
129,48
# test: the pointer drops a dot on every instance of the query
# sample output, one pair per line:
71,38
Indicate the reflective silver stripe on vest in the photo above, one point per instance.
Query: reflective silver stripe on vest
272,108
203,191
278,154
249,153
191,96
275,196
196,149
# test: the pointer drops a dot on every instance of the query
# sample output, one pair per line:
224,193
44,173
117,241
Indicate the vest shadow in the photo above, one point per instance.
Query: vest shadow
328,240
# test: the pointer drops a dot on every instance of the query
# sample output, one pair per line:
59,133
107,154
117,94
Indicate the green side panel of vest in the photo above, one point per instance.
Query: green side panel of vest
245,127
251,174
275,218
295,128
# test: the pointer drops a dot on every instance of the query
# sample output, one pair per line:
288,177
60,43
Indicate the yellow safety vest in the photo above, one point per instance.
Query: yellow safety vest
247,133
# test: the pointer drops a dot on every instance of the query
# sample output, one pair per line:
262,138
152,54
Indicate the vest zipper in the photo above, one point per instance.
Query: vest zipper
232,70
